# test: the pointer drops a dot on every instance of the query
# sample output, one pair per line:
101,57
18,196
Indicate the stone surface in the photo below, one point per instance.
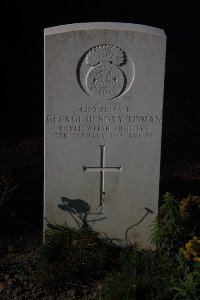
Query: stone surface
103,119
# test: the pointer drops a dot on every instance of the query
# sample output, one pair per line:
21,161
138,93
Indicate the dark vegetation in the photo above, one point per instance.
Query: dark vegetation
82,264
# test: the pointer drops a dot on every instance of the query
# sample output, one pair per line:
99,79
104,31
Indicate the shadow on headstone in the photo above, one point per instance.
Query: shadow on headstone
148,211
80,211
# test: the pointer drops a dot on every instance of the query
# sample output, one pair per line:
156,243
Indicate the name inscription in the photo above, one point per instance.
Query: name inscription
103,122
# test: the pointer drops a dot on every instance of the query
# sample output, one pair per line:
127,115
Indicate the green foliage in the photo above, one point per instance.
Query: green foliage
177,222
82,258
139,275
187,288
120,286
72,257
130,259
153,283
168,232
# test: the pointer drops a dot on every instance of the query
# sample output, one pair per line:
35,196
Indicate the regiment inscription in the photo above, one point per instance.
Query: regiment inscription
117,122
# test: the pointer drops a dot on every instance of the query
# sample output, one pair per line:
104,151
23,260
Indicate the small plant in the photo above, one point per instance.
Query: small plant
187,288
168,232
6,188
176,224
190,211
190,205
192,249
79,259
74,258
122,284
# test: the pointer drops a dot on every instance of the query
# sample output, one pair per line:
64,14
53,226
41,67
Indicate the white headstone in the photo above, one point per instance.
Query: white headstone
103,119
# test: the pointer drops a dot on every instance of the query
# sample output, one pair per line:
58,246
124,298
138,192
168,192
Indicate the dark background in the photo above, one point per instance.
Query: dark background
21,65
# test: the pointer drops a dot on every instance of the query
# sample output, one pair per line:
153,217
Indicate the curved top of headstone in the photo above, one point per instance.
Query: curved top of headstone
104,26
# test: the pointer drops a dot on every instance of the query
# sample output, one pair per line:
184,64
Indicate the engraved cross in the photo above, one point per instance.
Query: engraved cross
102,169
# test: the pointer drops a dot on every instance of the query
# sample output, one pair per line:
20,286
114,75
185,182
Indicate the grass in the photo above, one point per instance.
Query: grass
92,267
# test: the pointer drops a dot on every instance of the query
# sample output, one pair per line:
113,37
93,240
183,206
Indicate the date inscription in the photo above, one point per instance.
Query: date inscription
104,122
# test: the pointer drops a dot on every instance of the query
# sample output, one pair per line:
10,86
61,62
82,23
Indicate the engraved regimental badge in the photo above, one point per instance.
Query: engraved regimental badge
105,72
